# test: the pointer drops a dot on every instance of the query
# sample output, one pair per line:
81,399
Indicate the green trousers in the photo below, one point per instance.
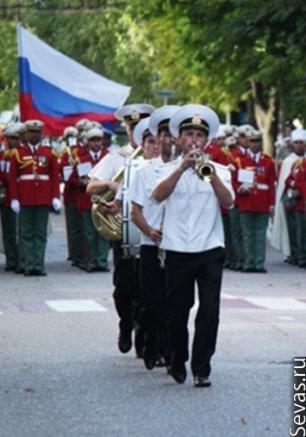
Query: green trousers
10,237
254,228
236,237
300,218
95,247
291,218
73,234
33,224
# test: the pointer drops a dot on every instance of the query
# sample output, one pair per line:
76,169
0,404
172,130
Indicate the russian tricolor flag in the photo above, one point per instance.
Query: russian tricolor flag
59,91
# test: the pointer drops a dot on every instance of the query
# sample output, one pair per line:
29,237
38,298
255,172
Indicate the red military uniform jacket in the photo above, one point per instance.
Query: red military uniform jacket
297,181
82,199
216,153
261,195
234,156
5,167
70,158
34,176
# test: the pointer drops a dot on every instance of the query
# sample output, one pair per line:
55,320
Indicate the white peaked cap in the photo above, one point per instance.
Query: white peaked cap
94,132
134,111
197,114
70,131
140,129
161,114
221,132
298,135
230,141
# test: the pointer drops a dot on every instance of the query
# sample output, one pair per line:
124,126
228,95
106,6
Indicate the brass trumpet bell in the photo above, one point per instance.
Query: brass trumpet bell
205,171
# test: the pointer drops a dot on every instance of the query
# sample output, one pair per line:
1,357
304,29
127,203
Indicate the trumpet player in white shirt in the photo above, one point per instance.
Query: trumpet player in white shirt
193,239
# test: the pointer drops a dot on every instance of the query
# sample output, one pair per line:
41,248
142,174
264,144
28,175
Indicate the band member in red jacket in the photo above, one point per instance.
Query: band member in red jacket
95,247
34,188
255,185
9,217
296,184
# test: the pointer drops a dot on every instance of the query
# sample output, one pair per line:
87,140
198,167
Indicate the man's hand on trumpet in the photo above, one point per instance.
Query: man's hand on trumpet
112,207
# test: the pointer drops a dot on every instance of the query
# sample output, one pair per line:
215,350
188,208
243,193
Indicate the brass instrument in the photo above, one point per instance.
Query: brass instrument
204,169
109,226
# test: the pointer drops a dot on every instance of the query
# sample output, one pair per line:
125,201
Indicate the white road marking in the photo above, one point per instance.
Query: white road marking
277,303
75,306
285,318
229,296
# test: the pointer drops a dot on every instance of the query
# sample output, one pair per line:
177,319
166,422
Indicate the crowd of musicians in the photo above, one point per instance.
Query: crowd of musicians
191,225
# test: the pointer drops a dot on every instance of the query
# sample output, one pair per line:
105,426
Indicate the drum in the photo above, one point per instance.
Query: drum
130,233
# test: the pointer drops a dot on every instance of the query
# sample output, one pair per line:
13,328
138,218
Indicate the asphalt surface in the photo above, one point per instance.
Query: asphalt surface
62,375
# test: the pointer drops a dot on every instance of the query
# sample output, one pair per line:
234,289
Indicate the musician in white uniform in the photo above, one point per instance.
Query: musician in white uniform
193,238
125,275
148,217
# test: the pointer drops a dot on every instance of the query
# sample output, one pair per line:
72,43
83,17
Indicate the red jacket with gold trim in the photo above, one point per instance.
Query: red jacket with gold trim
34,176
261,195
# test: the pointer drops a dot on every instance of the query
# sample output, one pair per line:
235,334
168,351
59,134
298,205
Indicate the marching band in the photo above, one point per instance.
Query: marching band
184,199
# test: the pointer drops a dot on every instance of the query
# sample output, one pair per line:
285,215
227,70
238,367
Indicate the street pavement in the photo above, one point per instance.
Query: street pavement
62,375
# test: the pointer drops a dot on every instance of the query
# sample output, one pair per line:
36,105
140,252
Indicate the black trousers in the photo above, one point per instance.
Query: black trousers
183,270
126,293
153,301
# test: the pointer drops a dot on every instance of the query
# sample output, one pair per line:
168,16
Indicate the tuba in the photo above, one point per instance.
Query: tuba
107,225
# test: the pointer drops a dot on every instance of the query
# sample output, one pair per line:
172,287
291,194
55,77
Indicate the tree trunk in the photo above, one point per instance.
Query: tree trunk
264,109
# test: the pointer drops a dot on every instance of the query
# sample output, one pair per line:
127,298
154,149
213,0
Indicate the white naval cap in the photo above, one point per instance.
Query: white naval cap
92,124
15,129
230,141
141,131
70,131
34,125
244,129
254,134
81,124
228,129
94,132
161,118
133,113
298,135
221,132
196,116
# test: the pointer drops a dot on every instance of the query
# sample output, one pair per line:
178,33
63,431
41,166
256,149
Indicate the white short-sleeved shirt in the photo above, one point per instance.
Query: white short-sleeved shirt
140,191
107,168
193,221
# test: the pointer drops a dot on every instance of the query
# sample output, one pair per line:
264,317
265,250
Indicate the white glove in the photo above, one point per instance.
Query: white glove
15,206
56,204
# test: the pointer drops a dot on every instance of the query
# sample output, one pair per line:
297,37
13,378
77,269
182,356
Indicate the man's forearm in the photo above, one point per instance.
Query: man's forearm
223,194
139,219
95,186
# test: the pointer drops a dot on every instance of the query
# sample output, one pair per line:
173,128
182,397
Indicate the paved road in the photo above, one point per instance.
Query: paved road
61,373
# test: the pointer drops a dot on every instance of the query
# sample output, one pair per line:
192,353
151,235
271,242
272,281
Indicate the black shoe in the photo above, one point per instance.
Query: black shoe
29,273
40,273
149,359
139,343
201,381
125,341
102,269
248,270
261,270
178,373
9,268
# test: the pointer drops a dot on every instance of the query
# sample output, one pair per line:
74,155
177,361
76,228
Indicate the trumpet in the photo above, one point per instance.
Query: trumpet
204,169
